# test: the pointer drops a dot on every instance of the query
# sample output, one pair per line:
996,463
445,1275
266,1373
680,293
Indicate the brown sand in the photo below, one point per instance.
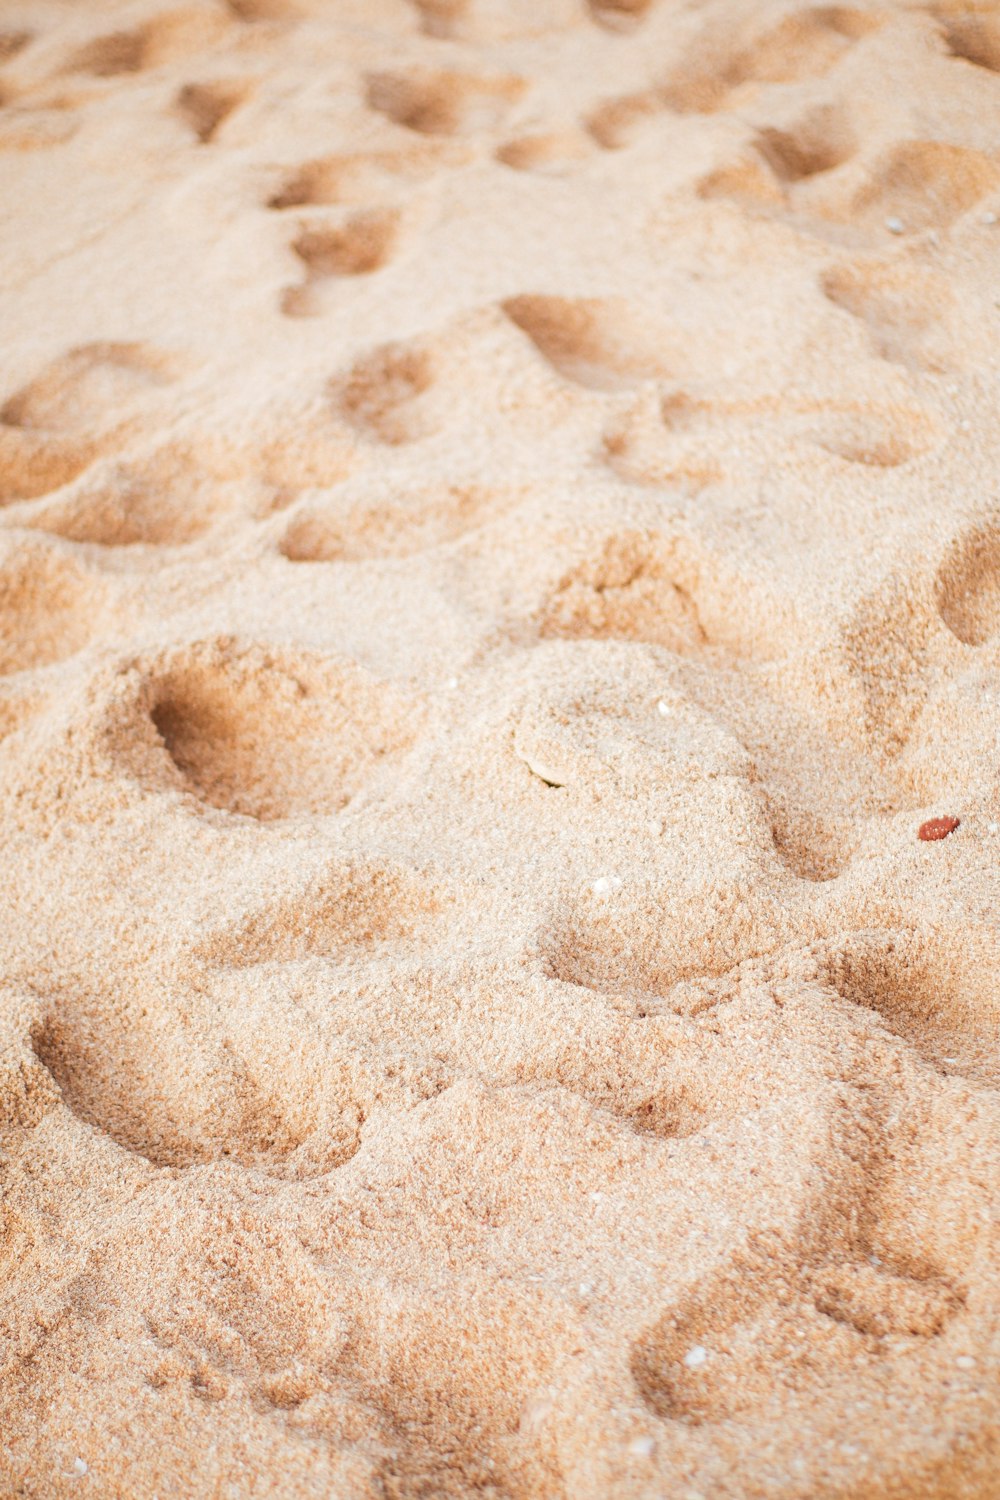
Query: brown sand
500,556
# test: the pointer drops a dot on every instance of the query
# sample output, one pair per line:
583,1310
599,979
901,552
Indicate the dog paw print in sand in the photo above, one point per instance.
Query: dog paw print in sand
443,103
360,245
262,734
968,586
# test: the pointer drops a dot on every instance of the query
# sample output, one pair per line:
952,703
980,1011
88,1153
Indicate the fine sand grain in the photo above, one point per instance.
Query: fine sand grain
500,750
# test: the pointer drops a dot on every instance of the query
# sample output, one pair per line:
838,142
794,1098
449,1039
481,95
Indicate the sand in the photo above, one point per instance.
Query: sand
499,559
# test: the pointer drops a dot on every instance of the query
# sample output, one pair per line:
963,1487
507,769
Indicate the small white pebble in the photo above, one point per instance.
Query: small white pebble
989,219
79,1467
966,1362
643,1447
605,884
663,709
696,1356
895,226
596,1196
585,1289
452,683
951,1060
993,827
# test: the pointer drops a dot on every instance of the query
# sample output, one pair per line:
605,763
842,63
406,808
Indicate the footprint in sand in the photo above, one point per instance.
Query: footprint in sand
631,590
831,1317
443,103
600,343
216,722
486,21
386,522
205,107
49,607
935,996
971,33
358,246
906,312
728,1349
359,178
876,439
87,384
619,15
238,1030
391,393
550,153
917,185
167,38
165,501
968,586
76,408
721,72
786,167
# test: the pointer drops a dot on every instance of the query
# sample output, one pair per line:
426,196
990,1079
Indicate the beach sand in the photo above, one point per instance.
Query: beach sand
499,559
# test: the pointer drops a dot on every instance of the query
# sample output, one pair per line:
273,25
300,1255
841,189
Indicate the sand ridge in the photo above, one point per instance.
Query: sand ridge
499,558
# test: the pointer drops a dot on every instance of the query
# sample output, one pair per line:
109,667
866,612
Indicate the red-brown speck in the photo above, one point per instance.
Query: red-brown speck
937,828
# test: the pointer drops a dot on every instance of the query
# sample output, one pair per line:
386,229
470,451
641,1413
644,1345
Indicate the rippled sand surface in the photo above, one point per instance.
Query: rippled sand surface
499,559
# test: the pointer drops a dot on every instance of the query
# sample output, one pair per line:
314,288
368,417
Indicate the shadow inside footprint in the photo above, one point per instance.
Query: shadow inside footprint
126,1083
206,106
968,587
442,103
249,733
939,998
601,343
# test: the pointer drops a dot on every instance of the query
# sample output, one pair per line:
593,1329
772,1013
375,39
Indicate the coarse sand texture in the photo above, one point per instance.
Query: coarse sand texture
499,750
